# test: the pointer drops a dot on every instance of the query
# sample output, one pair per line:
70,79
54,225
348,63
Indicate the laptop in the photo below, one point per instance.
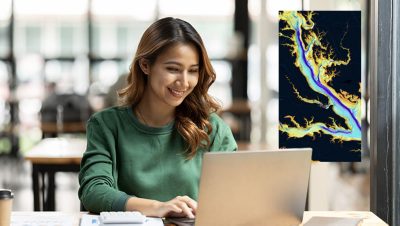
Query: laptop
260,188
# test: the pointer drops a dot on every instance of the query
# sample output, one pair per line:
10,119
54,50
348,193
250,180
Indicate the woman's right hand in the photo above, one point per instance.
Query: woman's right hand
180,206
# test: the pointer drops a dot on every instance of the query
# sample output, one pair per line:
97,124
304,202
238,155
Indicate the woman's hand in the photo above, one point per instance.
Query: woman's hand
180,206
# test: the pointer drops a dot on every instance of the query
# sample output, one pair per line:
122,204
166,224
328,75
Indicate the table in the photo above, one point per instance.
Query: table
368,218
49,156
72,219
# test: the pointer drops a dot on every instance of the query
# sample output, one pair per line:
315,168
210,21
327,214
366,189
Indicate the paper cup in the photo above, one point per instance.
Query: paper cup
6,198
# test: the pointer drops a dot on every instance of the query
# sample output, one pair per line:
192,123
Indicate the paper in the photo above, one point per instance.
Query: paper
90,220
42,219
93,220
333,221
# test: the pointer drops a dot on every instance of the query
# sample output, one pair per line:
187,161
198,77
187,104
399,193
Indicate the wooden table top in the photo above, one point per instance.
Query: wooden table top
67,127
57,151
367,218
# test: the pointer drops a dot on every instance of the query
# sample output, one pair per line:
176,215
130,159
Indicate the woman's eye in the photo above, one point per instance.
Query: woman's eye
172,69
194,71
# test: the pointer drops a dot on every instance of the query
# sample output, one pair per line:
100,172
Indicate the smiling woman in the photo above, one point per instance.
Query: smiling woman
146,154
171,78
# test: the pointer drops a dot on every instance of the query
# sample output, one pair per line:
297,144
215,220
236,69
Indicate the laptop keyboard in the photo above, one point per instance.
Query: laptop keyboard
180,221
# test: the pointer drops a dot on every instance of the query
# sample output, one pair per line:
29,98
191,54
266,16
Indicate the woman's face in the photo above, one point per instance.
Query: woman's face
173,75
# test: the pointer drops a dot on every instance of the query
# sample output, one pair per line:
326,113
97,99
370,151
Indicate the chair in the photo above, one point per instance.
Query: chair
64,113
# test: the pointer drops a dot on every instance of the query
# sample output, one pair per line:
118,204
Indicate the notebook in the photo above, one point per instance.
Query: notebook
333,221
266,188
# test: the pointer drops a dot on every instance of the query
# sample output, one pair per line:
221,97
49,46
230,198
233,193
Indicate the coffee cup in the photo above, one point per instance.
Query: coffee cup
6,198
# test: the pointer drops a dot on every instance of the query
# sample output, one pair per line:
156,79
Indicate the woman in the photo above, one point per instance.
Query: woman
146,154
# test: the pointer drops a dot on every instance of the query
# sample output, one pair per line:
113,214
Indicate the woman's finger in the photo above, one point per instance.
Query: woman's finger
186,209
174,207
190,202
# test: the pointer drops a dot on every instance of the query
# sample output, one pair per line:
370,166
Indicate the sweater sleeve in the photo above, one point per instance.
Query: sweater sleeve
223,139
97,177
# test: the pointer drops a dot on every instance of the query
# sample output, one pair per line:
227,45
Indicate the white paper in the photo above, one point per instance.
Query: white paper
93,220
333,221
42,219
152,221
90,220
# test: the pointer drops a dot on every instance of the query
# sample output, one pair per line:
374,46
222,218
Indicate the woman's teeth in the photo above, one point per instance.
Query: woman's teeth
176,92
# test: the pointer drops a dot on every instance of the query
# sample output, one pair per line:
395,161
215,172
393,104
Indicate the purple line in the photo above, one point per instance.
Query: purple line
335,131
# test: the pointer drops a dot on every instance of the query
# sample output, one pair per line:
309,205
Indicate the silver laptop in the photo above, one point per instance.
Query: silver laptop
260,188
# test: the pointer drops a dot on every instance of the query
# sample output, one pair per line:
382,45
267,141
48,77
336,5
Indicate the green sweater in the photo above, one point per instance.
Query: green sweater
125,158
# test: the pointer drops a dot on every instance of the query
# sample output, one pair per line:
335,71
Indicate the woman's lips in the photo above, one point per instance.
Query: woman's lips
176,93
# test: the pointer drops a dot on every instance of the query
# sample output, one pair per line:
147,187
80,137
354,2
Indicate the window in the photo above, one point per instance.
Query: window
59,42
5,15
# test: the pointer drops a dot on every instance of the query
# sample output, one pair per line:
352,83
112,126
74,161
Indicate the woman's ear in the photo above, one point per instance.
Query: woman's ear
144,65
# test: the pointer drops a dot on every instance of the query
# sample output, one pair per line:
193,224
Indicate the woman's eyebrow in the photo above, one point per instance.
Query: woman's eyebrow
179,64
173,62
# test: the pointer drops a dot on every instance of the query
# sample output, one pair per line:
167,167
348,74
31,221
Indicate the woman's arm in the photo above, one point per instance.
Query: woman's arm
98,189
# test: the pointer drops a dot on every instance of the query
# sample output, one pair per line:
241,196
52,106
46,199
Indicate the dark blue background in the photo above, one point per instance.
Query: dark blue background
334,24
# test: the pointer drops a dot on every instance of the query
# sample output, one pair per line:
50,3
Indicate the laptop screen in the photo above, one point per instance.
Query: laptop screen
253,187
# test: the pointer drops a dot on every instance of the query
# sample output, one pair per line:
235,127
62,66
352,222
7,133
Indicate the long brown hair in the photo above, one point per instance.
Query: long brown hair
192,115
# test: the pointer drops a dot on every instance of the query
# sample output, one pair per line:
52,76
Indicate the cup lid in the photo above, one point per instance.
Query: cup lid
6,194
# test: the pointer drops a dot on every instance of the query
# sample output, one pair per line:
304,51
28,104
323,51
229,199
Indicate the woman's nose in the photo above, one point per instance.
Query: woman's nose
183,79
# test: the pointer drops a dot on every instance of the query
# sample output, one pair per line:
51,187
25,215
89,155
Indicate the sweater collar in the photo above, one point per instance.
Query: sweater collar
148,129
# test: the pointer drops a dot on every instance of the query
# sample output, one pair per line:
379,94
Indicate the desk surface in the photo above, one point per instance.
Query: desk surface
368,218
67,127
17,218
57,151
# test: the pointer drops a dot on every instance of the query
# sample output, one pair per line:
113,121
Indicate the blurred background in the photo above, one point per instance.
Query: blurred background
62,60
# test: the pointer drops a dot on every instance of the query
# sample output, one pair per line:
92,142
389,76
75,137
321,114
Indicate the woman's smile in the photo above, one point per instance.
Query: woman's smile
177,93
